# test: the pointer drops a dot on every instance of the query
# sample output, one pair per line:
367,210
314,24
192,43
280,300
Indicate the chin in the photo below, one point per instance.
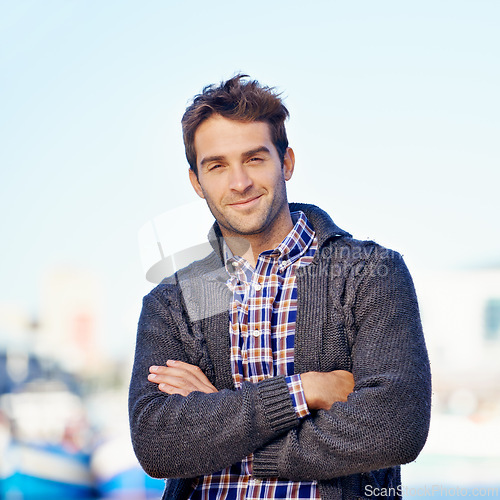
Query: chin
247,231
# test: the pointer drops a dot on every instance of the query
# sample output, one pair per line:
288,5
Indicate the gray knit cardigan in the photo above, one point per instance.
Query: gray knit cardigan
357,311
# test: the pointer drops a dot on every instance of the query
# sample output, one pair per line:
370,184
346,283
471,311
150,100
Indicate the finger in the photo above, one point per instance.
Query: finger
184,370
179,377
175,385
193,369
170,389
172,379
185,366
180,381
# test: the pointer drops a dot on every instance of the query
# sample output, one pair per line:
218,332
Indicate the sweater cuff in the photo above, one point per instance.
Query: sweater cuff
265,461
278,407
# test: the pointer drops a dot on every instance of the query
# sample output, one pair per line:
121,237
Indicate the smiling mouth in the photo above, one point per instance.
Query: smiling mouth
245,203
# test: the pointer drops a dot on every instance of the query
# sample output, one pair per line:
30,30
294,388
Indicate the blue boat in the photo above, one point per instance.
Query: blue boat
45,472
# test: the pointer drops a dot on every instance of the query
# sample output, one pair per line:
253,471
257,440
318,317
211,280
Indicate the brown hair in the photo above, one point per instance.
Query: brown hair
236,99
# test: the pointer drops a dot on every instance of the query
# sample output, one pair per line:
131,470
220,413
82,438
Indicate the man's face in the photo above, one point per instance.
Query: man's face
241,177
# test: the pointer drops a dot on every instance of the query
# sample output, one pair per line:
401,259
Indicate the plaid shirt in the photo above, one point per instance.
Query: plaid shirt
262,330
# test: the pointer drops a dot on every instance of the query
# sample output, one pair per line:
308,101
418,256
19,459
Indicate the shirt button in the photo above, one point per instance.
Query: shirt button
258,287
256,333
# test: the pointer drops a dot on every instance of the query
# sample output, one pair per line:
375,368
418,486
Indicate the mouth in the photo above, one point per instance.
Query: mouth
249,202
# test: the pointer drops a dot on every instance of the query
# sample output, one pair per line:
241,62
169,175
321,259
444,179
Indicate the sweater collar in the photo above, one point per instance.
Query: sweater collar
321,222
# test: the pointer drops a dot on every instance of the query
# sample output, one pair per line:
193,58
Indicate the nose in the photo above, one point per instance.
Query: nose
239,179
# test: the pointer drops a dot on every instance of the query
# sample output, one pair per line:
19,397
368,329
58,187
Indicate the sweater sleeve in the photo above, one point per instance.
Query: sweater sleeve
177,436
386,418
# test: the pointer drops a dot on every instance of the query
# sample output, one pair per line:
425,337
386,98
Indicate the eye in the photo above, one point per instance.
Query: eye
255,159
215,166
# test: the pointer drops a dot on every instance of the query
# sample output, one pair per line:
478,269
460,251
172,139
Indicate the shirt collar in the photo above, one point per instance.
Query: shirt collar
294,245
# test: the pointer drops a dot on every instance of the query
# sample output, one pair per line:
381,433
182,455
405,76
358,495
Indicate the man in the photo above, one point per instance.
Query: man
290,363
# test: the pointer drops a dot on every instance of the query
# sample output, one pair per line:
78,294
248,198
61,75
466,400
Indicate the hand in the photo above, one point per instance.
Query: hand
322,389
180,378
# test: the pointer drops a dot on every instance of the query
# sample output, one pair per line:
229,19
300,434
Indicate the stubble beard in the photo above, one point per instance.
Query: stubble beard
246,225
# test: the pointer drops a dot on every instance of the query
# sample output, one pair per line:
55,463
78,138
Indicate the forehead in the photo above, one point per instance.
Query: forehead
221,136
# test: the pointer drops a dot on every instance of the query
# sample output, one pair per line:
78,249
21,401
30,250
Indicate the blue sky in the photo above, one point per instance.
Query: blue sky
394,121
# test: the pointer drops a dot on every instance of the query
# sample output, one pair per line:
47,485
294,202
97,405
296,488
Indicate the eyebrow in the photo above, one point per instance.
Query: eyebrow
246,154
210,159
260,149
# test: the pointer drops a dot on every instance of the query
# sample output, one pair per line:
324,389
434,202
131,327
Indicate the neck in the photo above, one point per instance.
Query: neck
251,246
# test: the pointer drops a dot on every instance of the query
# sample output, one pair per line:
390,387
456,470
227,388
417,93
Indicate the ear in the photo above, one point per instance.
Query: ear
288,163
196,183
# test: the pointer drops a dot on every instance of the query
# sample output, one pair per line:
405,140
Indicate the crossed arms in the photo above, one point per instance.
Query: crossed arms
192,426
321,389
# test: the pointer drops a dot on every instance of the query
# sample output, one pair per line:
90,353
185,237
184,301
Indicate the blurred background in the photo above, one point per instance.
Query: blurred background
395,124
